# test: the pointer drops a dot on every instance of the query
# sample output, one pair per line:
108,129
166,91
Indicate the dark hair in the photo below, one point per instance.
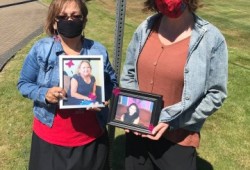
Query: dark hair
136,114
193,5
56,7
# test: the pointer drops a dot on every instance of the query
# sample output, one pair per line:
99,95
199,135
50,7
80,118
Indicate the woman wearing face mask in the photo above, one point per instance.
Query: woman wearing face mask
70,139
183,57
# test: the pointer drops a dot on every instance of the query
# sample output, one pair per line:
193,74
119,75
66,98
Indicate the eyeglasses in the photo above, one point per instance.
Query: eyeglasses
66,17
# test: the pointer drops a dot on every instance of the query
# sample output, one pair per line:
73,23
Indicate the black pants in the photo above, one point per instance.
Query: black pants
46,156
146,154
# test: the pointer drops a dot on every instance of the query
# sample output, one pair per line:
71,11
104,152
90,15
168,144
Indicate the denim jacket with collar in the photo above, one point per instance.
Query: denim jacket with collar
205,74
41,71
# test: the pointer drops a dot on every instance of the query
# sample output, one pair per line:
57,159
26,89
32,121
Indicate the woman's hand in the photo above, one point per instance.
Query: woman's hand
134,132
157,132
93,108
54,94
85,97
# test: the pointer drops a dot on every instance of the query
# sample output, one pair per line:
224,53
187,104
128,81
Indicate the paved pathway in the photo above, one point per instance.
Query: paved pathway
20,21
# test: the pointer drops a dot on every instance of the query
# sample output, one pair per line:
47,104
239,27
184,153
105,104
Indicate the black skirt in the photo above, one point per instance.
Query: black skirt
46,156
162,154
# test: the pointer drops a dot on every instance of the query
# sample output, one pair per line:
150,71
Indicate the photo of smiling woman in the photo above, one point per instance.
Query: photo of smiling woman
83,86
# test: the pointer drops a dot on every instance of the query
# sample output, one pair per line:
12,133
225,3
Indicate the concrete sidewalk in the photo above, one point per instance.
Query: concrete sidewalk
20,21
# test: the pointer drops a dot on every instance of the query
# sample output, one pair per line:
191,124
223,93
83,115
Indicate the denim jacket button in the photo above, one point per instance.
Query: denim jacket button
186,70
187,98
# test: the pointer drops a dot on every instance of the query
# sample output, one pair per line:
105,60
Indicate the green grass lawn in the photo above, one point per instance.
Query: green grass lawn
225,139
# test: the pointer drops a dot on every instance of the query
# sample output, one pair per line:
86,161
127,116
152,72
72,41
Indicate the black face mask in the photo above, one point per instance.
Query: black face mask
70,28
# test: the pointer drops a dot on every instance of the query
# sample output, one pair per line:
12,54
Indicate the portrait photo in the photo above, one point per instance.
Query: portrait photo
134,110
82,77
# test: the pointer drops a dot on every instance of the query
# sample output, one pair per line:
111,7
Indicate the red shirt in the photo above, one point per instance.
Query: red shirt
71,127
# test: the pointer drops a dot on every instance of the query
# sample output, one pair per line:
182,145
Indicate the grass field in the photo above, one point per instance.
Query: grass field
225,139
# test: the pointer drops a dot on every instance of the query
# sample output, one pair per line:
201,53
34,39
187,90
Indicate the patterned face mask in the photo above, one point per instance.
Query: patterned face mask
171,8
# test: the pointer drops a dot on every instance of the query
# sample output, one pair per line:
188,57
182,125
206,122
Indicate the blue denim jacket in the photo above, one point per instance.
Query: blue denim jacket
41,71
205,74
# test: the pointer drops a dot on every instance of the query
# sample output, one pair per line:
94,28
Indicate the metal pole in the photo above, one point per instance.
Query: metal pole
118,39
117,56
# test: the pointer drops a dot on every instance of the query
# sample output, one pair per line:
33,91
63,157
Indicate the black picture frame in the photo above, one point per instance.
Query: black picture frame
149,107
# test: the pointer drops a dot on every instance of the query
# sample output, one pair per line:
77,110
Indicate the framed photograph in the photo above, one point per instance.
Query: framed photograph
82,76
134,110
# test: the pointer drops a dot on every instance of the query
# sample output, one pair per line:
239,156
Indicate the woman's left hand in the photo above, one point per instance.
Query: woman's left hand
157,132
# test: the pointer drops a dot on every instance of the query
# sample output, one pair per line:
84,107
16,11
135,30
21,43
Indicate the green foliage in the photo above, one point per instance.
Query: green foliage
225,137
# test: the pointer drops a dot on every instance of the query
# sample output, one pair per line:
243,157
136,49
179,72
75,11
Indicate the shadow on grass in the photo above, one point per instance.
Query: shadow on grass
119,156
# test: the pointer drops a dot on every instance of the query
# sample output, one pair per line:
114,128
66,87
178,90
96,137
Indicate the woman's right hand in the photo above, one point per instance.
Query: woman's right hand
54,94
86,98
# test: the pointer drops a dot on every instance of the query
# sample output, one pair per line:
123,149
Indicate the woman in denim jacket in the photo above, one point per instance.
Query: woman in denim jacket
69,139
178,55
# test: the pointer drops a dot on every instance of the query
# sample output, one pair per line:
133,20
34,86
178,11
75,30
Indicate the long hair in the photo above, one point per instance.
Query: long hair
136,114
